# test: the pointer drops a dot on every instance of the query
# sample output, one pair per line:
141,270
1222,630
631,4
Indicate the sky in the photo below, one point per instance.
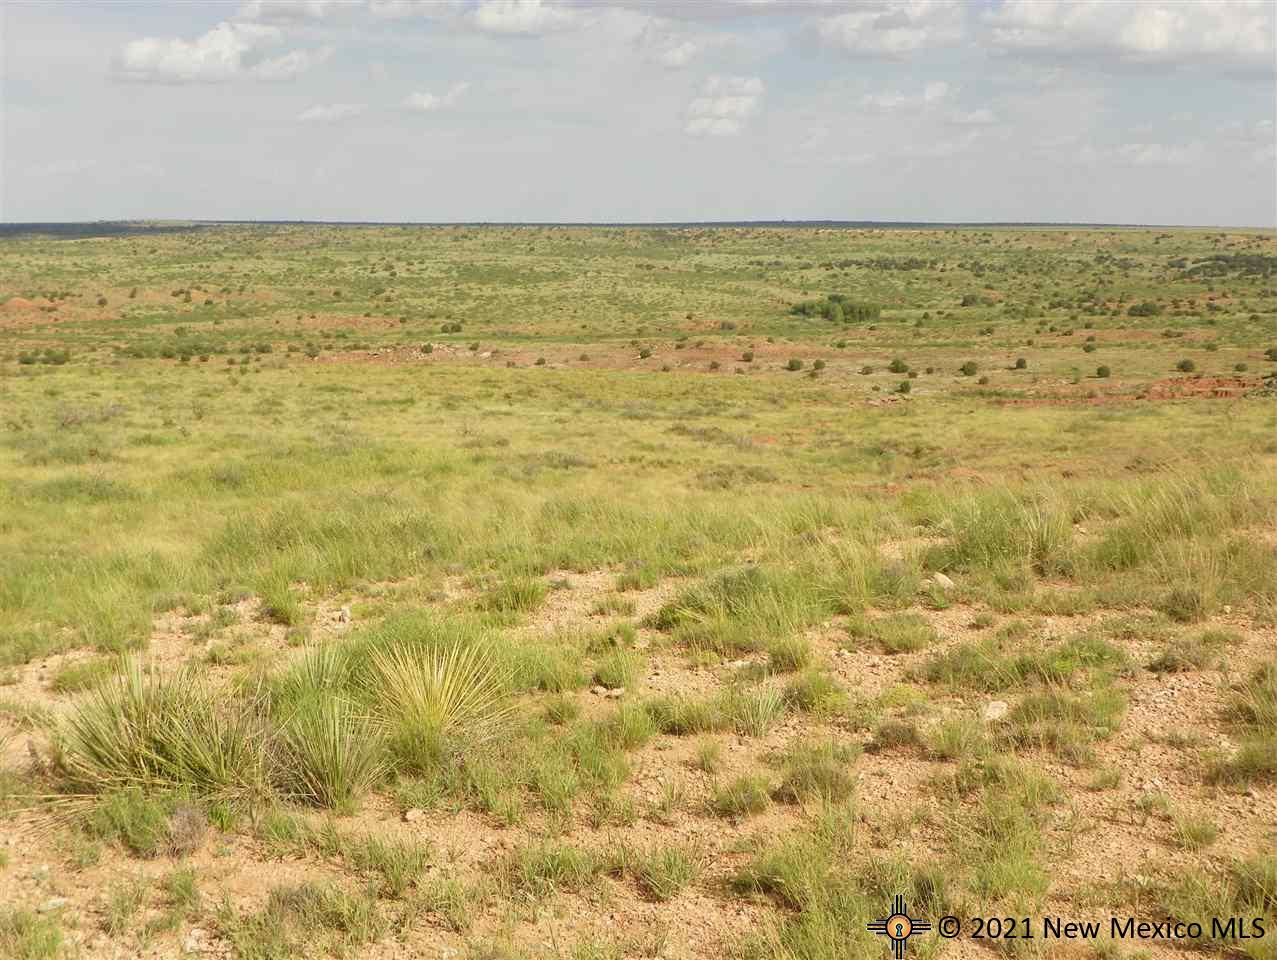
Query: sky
666,110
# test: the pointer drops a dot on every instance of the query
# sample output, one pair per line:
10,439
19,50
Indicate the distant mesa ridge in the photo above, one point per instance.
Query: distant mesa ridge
110,228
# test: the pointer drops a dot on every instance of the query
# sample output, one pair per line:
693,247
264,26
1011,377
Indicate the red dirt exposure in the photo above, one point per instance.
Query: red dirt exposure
1171,388
1200,388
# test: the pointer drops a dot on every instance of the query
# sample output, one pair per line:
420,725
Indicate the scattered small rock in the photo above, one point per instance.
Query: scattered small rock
599,690
195,941
53,903
413,815
942,581
615,692
995,710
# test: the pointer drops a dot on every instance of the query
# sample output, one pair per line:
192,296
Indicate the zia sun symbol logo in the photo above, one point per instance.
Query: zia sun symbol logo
898,927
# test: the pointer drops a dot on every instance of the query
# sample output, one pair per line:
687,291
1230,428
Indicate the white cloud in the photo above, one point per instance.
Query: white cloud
973,118
893,28
893,101
723,108
399,9
330,113
425,102
678,55
521,16
226,52
1160,154
290,64
1143,31
286,11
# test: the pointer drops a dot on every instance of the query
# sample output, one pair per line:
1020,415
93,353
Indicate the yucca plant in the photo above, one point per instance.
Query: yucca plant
330,754
143,728
321,671
431,699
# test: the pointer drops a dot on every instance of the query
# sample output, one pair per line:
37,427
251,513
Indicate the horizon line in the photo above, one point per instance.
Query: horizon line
796,223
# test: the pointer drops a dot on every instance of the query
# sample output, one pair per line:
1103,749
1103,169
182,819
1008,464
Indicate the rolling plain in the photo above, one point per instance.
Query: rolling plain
580,592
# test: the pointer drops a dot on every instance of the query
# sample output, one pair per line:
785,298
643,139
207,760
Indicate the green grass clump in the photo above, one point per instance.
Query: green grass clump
744,796
301,920
996,664
26,935
816,771
895,734
1252,711
1185,654
754,712
1195,833
743,609
1247,888
541,869
664,873
620,669
517,595
789,655
682,715
1066,722
82,675
139,823
996,532
902,633
815,692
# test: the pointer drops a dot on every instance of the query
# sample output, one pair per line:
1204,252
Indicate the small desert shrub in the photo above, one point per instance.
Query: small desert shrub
794,364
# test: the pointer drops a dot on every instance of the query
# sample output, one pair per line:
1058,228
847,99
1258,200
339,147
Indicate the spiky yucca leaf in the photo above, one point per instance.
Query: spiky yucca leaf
143,728
432,697
331,755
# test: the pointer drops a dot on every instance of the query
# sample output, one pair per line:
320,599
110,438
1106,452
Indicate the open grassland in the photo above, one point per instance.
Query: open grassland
596,593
